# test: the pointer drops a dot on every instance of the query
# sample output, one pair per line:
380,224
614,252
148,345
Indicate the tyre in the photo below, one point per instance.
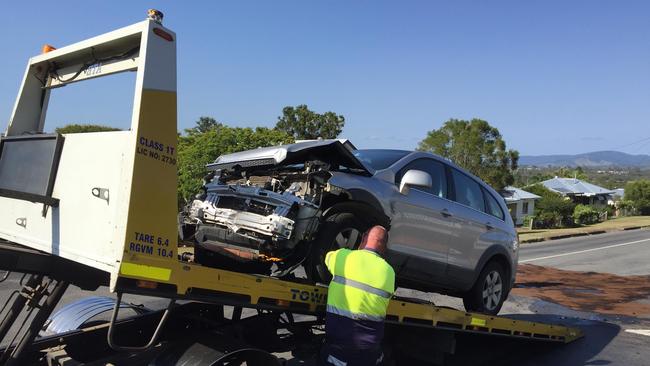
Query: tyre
489,291
339,230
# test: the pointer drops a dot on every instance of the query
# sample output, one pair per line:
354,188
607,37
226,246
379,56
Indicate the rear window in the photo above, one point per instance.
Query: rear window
380,159
493,207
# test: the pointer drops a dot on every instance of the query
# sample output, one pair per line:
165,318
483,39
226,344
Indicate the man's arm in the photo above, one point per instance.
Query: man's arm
330,259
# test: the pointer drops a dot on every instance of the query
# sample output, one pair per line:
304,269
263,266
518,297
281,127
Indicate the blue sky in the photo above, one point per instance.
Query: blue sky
552,76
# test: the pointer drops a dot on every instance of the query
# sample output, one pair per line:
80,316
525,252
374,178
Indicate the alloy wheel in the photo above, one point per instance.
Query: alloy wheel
347,238
492,290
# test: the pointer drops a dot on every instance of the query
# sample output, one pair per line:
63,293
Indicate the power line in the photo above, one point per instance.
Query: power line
632,143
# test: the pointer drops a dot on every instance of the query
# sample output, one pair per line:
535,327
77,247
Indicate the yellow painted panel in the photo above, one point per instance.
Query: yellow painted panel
141,270
151,231
478,322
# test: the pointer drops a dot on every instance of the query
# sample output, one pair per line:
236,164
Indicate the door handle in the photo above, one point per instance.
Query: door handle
445,213
489,225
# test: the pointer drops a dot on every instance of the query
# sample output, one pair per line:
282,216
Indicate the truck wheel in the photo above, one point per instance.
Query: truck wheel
489,291
339,230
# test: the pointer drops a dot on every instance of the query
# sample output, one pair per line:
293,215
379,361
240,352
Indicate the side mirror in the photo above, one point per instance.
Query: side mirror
414,178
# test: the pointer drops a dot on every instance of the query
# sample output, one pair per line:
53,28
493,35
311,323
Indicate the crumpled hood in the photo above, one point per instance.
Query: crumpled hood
334,152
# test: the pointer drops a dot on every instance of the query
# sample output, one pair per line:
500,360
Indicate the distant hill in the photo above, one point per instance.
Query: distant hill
592,159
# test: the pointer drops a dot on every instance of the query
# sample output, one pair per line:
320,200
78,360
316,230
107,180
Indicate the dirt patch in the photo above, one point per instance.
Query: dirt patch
604,293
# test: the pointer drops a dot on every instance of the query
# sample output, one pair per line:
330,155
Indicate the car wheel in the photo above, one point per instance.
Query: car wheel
489,291
340,230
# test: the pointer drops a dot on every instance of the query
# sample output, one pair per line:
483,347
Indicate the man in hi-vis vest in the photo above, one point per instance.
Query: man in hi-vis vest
362,284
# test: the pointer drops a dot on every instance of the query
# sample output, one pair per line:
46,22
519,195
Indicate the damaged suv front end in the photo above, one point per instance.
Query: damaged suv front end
265,205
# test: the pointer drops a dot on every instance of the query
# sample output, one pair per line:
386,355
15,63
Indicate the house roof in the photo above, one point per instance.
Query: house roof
573,186
512,194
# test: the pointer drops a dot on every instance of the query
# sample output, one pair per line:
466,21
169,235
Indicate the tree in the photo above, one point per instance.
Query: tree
82,128
638,192
304,124
197,149
477,147
204,124
566,172
551,210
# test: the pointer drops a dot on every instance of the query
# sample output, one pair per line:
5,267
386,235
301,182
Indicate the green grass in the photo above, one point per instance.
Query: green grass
609,225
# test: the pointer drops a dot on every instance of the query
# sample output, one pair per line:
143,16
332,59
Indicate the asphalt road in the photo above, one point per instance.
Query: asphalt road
623,253
608,340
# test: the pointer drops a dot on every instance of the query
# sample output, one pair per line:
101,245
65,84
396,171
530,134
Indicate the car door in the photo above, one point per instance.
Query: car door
421,230
499,232
469,208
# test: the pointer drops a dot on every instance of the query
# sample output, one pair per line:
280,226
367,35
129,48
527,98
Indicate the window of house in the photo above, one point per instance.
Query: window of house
435,169
525,208
468,191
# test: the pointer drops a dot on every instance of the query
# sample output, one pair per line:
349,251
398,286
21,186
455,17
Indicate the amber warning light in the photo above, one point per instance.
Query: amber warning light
47,48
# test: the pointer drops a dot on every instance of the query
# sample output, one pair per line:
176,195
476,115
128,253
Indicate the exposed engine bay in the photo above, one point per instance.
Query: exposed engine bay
264,215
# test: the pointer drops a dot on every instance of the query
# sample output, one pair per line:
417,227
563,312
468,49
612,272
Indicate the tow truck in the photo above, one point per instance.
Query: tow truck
100,209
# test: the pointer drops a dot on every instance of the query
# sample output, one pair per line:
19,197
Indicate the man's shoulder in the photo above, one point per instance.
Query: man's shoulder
379,259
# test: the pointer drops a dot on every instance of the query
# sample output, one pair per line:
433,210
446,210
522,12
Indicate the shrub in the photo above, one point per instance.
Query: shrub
527,219
610,210
552,210
585,215
639,193
547,220
626,207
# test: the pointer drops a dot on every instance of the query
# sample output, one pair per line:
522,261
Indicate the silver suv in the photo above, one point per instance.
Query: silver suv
449,232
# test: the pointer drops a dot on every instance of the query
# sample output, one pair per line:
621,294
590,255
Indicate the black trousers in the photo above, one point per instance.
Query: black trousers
337,355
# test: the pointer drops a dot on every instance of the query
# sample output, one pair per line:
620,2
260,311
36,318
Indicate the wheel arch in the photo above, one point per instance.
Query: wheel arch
498,254
367,211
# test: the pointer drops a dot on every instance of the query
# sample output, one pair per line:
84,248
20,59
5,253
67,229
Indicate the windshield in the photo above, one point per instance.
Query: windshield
380,159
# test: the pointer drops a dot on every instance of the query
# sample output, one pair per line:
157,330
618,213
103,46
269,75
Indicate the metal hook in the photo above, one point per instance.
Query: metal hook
154,337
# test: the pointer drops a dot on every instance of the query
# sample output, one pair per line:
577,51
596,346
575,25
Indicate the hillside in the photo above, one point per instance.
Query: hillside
592,159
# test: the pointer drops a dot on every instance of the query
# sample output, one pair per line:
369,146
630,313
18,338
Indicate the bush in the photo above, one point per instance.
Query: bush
639,193
83,128
552,210
610,210
626,208
547,220
585,215
527,220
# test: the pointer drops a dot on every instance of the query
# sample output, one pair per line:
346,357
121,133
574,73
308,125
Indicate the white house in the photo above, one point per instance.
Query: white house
579,191
520,203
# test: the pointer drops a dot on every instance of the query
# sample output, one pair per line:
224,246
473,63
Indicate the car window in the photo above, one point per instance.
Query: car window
468,191
435,169
379,159
493,207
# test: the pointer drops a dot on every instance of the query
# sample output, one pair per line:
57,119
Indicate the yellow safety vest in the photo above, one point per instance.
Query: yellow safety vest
362,285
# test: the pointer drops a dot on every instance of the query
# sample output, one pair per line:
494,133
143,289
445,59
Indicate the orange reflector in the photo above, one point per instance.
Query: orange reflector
146,284
162,34
47,48
270,259
284,303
